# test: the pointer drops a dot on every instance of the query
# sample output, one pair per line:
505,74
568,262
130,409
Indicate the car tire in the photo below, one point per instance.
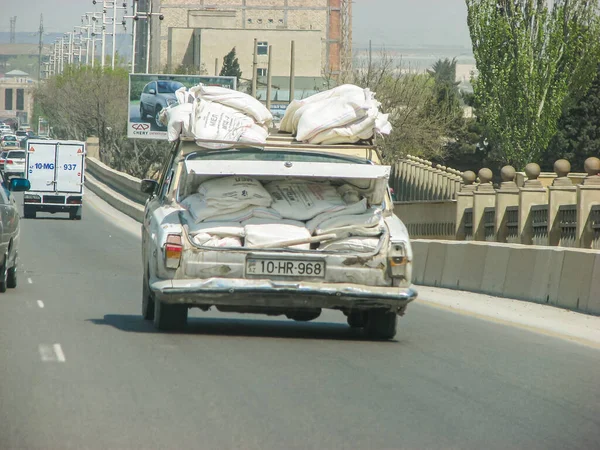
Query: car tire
169,317
11,277
75,214
156,117
147,298
29,212
357,319
381,324
142,113
4,276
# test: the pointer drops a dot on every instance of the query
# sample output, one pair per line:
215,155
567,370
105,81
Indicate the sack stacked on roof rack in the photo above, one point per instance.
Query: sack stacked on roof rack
214,113
344,115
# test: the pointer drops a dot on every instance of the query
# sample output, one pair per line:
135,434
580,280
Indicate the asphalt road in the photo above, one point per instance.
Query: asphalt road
79,368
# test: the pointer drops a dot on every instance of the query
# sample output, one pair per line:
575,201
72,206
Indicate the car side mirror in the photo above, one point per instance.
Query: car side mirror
152,91
149,186
19,185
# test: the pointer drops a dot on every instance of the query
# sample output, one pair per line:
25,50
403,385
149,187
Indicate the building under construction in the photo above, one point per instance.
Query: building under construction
198,34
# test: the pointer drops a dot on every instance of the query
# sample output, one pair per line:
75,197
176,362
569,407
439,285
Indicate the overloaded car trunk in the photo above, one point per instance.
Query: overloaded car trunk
293,217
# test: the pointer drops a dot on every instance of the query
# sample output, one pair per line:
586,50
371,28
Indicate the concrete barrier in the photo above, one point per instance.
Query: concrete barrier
113,198
565,277
120,182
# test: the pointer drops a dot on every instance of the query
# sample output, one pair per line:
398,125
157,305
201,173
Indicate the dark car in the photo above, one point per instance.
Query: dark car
155,96
11,231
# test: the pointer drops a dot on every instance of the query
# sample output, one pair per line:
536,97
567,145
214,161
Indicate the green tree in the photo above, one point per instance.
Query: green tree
530,55
447,98
231,66
578,135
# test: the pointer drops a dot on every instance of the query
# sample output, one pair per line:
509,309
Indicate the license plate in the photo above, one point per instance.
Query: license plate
285,267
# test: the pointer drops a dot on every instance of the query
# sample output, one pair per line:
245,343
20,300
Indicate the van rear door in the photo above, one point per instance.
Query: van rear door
41,161
69,167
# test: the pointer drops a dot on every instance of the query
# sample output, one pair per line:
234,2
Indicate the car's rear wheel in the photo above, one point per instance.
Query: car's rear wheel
75,214
11,277
147,298
381,324
357,319
169,317
142,112
29,212
4,276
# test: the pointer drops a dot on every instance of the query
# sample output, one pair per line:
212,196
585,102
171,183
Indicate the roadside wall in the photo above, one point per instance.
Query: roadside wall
564,277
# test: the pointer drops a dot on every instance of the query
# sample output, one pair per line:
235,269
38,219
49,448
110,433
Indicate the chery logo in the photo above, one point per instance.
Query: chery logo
140,126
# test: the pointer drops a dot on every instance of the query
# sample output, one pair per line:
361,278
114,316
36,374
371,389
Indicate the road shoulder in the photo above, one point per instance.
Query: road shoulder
539,318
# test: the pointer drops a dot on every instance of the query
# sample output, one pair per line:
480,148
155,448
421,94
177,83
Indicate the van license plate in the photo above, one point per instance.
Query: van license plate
285,267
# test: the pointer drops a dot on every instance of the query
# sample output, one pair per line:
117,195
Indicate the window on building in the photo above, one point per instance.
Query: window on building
20,100
249,20
261,72
280,20
270,20
263,48
259,20
8,99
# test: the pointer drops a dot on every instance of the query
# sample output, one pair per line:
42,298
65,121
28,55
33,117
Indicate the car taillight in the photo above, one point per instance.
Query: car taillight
173,250
74,201
397,259
9,161
29,198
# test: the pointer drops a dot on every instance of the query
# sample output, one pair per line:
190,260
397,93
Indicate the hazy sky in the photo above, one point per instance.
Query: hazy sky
385,22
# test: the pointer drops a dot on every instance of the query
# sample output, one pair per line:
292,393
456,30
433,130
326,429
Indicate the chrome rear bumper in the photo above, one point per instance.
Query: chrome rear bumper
270,293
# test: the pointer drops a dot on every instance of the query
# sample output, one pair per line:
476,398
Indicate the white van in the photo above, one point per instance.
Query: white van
56,172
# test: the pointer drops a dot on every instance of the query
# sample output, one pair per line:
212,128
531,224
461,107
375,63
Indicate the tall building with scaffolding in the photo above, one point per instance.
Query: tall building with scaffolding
196,33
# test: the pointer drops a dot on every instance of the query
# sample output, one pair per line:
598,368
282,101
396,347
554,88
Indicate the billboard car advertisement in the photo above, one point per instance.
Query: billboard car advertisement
150,93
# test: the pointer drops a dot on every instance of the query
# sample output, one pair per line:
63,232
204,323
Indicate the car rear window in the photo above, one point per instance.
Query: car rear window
10,138
16,155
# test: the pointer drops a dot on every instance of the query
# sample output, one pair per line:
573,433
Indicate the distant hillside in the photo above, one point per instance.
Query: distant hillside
123,40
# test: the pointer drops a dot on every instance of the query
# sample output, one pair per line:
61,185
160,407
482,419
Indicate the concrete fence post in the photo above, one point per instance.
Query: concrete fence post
532,193
588,195
483,197
92,147
562,192
464,200
507,195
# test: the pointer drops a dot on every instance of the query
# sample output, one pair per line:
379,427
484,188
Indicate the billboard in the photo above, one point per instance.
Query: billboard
150,93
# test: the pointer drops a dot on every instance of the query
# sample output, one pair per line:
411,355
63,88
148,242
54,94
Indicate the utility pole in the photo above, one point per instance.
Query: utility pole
269,77
292,70
147,16
114,33
40,46
13,29
103,34
254,67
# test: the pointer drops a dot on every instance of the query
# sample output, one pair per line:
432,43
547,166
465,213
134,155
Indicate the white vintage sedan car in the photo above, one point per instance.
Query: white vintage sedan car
281,229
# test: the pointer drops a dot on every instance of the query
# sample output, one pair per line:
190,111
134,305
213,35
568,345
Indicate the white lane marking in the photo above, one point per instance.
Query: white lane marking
51,353
29,280
59,353
40,303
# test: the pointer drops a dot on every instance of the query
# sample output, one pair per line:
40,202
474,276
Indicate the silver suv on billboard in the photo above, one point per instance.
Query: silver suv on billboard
155,96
